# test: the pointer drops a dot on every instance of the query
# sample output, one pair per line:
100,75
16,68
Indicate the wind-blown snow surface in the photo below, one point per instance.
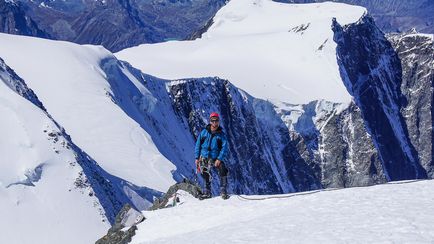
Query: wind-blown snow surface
275,51
70,82
401,212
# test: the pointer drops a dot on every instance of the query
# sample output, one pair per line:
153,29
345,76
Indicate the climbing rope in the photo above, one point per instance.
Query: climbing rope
279,196
321,190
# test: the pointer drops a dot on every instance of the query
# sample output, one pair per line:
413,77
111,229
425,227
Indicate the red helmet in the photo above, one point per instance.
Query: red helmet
214,114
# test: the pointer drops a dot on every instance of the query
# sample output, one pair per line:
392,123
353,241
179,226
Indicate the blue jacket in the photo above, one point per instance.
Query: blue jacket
212,146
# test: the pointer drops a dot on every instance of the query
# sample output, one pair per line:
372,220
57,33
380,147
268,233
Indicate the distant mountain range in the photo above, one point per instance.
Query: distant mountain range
393,15
118,24
115,24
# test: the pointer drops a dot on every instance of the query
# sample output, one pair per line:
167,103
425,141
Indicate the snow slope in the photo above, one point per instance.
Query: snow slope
400,212
37,177
275,51
75,123
70,82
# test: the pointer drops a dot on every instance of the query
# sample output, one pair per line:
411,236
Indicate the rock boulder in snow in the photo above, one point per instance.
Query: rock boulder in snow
124,227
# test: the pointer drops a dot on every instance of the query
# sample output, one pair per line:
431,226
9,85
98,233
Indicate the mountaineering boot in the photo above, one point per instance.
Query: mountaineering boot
205,195
224,195
207,192
223,185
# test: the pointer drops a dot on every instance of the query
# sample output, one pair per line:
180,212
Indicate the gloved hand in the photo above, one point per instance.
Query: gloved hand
217,163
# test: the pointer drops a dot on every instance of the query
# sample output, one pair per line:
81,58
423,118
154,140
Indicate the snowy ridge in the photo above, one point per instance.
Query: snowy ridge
400,212
43,147
271,50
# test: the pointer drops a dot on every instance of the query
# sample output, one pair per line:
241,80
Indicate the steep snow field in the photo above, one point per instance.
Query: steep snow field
69,81
39,202
402,212
276,51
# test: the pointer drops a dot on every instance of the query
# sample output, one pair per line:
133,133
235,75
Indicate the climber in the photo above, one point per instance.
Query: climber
210,151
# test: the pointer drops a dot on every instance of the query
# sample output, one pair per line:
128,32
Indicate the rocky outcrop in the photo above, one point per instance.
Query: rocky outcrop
187,186
124,227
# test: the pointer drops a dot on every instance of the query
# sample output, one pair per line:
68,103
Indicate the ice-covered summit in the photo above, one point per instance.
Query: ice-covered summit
272,50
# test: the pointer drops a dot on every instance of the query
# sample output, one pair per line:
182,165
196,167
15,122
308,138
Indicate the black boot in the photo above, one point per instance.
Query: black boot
207,191
223,186
206,194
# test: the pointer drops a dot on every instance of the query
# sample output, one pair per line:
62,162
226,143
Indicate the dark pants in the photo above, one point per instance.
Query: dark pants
205,169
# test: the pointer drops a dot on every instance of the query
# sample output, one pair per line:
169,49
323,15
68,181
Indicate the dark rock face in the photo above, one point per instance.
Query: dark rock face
290,162
416,53
349,157
118,24
251,170
14,20
333,141
393,15
270,151
372,73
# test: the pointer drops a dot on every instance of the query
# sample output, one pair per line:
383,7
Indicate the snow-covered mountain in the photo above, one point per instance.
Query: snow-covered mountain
46,181
391,213
43,171
307,102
